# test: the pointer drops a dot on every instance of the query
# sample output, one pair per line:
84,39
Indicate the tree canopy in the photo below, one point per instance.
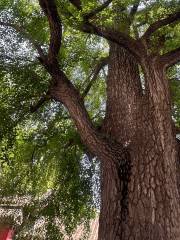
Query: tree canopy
40,148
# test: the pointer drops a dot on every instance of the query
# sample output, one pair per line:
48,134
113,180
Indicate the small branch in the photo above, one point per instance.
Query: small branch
26,35
134,9
103,62
77,4
50,10
40,103
97,10
70,143
163,22
9,207
170,58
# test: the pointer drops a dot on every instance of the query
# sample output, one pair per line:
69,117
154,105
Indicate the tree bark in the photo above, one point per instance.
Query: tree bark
140,199
136,145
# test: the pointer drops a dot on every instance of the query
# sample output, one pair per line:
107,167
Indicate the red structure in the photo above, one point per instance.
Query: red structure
6,233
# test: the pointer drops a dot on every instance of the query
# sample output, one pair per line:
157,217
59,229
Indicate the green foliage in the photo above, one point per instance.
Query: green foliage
175,92
41,153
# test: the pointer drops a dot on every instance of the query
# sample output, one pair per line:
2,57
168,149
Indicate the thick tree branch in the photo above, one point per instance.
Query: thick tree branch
26,35
160,23
64,92
103,62
76,3
170,58
120,38
135,47
97,10
62,89
50,9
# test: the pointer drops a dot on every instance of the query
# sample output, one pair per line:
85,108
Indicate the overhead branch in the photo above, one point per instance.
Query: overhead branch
102,63
174,17
76,3
26,35
10,207
97,10
50,10
120,38
40,103
134,9
170,58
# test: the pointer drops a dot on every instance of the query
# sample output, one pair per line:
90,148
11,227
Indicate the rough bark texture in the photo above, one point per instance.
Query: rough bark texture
178,165
136,145
139,196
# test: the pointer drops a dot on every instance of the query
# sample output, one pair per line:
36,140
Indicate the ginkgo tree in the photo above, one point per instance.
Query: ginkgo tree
90,85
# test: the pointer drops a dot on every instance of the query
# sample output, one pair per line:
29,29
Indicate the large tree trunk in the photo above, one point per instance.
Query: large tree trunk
139,194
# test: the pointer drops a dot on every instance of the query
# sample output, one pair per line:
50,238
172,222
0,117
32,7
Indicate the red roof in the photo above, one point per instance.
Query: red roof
6,234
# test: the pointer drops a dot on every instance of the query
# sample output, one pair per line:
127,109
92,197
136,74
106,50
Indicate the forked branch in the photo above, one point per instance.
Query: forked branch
120,38
65,92
170,58
97,10
102,63
174,17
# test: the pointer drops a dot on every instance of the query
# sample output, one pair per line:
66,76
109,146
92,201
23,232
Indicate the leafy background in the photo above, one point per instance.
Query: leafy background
41,154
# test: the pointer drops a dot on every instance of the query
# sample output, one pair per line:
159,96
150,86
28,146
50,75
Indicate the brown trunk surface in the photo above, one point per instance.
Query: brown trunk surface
139,194
136,146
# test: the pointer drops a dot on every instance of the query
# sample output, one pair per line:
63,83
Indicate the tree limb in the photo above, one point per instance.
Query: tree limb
97,10
77,4
115,36
134,9
65,92
26,35
62,90
40,103
122,39
50,10
160,23
103,62
170,58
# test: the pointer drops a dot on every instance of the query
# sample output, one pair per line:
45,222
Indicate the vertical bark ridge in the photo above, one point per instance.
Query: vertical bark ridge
124,94
124,97
146,127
